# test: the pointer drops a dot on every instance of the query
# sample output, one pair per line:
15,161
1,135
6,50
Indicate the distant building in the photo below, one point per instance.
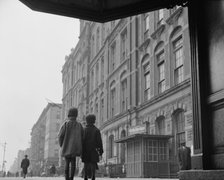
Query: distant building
134,75
44,144
51,147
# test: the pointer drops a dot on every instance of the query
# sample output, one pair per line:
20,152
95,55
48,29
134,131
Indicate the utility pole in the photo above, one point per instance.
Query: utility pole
3,160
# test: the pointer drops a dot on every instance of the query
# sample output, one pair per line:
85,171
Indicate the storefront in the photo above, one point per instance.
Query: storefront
147,155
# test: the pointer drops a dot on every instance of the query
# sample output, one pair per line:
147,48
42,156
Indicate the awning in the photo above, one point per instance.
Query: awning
144,136
99,10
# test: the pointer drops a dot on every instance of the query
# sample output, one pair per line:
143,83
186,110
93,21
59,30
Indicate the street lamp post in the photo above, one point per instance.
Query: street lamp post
3,160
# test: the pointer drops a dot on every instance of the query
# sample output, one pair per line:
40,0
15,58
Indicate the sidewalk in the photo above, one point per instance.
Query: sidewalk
101,178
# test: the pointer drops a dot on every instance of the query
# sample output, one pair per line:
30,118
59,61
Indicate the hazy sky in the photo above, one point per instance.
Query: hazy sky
33,47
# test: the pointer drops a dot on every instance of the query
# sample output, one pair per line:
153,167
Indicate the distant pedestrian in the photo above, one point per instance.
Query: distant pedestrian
184,157
92,147
24,165
70,140
52,170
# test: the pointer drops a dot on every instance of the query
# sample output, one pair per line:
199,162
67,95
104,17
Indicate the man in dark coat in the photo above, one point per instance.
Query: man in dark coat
92,147
184,157
24,165
70,140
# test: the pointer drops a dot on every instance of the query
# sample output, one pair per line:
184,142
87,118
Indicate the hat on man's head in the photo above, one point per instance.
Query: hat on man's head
72,112
90,119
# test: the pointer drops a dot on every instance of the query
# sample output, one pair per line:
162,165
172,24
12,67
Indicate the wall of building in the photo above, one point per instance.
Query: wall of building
122,92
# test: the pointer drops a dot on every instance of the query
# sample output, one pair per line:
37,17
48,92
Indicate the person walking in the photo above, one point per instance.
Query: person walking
92,147
184,157
52,170
24,165
70,140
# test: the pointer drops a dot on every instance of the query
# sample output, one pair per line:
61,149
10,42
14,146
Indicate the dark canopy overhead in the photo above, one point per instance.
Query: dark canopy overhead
99,10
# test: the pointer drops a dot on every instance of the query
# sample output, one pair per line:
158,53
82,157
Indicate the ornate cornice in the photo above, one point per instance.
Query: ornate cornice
144,45
157,33
174,16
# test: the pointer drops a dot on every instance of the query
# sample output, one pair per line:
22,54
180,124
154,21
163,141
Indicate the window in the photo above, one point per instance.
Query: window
93,46
150,151
112,101
180,128
57,127
111,146
92,80
97,74
146,26
161,71
160,15
58,115
74,75
122,150
124,95
97,39
123,45
91,107
112,57
83,70
178,57
163,154
146,22
103,33
96,113
102,109
56,153
102,69
160,126
147,80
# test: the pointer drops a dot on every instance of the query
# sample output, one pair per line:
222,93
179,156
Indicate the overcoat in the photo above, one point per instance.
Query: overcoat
92,144
70,138
25,163
184,156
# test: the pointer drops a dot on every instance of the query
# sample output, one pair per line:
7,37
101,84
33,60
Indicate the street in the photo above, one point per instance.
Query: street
77,178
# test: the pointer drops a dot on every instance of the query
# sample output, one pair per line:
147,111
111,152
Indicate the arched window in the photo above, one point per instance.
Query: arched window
96,112
112,98
92,80
122,154
97,40
178,58
93,46
102,69
97,74
123,92
102,108
179,127
146,78
123,45
160,63
160,125
124,96
111,146
113,56
178,55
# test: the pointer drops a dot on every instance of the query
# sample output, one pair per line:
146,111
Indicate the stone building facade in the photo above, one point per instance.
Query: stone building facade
137,81
44,141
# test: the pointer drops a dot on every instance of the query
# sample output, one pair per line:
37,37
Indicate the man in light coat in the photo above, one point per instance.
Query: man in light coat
70,140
